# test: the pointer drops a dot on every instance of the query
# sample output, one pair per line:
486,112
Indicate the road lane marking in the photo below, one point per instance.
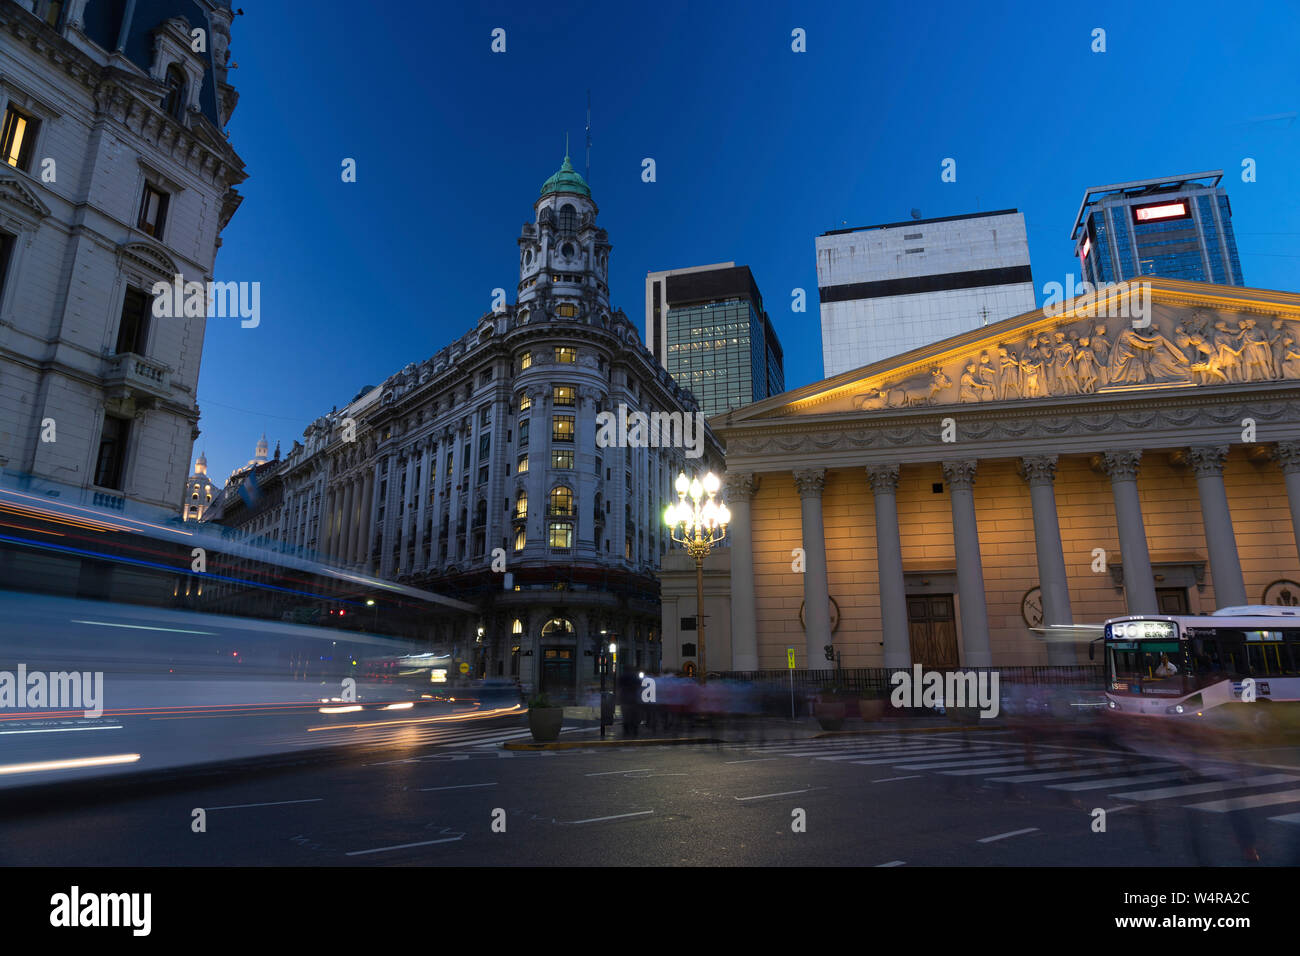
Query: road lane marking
404,846
891,863
1287,818
914,776
606,773
754,760
278,803
617,816
1067,774
1003,836
1016,765
59,730
463,786
784,793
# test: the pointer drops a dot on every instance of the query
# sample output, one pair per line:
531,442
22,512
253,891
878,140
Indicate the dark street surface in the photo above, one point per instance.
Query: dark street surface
900,797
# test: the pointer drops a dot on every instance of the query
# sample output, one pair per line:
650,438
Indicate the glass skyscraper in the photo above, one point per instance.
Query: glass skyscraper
1179,227
706,325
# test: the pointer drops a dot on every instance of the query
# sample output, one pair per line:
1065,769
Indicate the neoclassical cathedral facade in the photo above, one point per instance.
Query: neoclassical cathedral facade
478,473
975,502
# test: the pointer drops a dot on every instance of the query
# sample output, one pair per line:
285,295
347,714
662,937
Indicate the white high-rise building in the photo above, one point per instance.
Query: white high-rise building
115,175
891,288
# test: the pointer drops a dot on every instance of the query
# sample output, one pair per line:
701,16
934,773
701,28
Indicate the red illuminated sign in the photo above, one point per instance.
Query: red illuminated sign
1169,210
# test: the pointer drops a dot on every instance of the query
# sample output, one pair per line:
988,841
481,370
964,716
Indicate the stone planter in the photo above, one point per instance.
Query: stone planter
545,723
830,715
871,709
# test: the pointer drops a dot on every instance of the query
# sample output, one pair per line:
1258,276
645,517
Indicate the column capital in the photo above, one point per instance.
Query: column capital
883,478
1287,455
1207,460
1039,469
1121,465
810,482
960,474
740,485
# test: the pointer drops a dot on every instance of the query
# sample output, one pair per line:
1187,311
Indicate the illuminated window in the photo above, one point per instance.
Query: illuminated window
517,628
521,505
153,211
562,428
566,355
561,501
522,468
18,138
568,311
53,10
562,458
563,395
526,361
525,402
561,534
521,539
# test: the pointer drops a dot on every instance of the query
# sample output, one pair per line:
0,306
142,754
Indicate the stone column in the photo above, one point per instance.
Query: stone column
960,476
326,541
744,621
1225,565
816,591
367,517
1040,472
1287,454
422,504
1139,587
889,565
348,533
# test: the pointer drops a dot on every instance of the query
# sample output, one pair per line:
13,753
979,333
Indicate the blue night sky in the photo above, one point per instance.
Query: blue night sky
759,150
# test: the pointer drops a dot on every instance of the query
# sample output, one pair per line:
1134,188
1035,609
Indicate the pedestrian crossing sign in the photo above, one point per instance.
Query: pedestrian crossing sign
789,657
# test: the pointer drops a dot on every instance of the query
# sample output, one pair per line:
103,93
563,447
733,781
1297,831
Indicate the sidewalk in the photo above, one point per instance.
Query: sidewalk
742,730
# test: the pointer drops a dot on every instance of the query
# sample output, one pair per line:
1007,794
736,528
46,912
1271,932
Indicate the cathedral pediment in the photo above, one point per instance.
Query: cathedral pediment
1161,334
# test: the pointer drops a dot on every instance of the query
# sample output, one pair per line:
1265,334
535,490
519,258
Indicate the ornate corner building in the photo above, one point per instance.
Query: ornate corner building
971,502
115,174
481,473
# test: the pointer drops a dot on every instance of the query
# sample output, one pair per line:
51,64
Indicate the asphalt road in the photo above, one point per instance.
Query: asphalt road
889,799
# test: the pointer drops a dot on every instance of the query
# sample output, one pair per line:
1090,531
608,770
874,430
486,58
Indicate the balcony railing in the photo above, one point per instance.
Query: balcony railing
138,374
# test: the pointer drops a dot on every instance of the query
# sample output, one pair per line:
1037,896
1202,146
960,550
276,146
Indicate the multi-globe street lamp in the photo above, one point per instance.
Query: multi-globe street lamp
698,525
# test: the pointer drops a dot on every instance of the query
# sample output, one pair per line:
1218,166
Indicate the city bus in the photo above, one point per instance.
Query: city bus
181,614
1192,667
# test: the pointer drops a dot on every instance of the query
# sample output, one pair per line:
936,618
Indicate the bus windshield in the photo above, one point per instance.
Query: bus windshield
1146,667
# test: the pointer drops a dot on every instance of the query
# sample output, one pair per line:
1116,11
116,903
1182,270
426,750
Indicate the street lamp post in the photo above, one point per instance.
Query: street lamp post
698,525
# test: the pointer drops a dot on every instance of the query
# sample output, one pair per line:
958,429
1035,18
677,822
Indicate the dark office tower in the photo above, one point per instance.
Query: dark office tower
706,325
1179,227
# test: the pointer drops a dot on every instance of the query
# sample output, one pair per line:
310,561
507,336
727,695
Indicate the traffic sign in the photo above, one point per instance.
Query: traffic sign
789,657
464,667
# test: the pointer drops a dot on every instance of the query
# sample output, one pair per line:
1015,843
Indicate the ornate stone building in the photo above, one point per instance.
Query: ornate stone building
198,492
116,174
479,474
967,502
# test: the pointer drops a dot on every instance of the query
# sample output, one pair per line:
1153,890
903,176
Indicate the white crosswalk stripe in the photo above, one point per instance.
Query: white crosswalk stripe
997,759
1211,786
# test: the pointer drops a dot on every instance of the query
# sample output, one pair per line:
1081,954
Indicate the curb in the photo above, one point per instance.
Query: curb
908,730
575,744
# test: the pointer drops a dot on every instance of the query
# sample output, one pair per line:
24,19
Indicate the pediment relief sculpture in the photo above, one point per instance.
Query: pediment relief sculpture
1101,355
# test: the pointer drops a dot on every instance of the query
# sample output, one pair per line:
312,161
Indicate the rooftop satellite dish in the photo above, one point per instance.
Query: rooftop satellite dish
916,214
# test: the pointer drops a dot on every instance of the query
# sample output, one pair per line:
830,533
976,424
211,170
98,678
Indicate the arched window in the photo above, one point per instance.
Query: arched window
480,514
557,627
568,221
517,627
562,501
176,86
521,505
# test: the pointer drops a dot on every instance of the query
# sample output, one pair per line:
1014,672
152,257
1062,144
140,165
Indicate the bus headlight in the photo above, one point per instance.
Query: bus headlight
1113,705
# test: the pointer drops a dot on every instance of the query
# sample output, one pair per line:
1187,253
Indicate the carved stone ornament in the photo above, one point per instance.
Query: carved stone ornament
810,482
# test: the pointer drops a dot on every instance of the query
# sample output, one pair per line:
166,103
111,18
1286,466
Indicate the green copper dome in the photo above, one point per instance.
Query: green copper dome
566,180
